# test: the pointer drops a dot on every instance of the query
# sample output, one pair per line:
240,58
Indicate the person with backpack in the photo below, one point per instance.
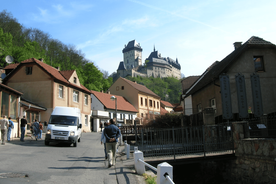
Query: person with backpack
4,126
11,126
112,134
36,129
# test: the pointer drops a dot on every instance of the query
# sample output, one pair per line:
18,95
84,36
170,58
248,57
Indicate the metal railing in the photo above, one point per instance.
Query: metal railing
164,170
186,140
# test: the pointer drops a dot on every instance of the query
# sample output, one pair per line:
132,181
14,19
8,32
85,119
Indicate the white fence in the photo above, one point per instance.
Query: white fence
164,170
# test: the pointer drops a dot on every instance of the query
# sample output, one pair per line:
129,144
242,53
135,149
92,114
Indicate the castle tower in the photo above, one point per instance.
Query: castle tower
132,55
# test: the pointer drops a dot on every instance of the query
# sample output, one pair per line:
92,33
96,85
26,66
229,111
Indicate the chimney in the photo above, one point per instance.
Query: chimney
58,68
108,92
41,59
237,45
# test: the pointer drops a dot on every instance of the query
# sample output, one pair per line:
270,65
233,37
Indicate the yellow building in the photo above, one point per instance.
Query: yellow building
144,100
49,87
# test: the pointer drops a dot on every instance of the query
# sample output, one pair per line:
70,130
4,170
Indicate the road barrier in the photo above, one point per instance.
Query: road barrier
164,170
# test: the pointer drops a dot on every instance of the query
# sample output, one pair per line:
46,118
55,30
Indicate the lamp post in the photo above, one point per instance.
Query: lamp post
114,98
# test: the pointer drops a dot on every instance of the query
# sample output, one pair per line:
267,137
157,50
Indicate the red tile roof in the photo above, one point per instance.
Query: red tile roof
163,111
140,87
165,103
11,66
67,73
122,103
11,89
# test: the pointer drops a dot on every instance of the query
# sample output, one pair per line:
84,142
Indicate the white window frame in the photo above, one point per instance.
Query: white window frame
60,91
75,96
86,120
85,99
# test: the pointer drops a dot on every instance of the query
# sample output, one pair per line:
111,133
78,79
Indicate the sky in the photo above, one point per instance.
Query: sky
197,32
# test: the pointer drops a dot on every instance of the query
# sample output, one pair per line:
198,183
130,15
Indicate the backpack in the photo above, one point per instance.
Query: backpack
11,125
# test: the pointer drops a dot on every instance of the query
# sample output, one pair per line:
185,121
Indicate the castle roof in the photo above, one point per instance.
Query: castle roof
121,66
155,57
132,45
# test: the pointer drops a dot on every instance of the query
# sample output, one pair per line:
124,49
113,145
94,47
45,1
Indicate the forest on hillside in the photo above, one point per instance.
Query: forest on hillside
23,43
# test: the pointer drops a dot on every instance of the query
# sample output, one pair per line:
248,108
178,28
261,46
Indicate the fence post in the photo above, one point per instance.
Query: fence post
164,169
139,166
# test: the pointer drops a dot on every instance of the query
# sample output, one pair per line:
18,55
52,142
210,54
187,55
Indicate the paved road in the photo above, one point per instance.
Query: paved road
55,164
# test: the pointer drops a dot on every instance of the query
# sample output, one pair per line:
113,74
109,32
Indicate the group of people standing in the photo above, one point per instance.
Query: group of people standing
7,125
110,135
36,129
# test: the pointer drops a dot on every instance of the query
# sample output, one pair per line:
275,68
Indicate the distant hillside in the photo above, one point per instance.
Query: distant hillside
169,89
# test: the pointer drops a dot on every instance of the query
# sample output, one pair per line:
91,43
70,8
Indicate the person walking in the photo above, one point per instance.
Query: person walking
40,129
36,129
22,126
11,126
4,125
112,133
103,140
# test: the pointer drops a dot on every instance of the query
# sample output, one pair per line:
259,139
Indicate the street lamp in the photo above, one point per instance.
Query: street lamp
114,98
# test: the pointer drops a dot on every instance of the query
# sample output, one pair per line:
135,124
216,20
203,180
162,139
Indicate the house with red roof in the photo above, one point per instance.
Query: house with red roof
103,108
48,87
167,106
143,99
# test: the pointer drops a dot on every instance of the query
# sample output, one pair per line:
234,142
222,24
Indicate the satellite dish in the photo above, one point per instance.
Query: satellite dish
9,59
3,75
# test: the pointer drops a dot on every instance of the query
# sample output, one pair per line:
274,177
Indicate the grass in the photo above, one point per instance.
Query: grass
150,179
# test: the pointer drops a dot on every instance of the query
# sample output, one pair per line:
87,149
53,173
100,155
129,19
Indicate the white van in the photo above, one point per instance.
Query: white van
64,126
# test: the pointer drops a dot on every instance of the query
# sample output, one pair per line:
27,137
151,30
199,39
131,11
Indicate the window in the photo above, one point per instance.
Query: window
141,101
123,87
29,70
213,103
199,108
259,63
146,102
60,93
86,120
75,80
85,99
142,115
13,107
154,104
75,96
157,105
150,103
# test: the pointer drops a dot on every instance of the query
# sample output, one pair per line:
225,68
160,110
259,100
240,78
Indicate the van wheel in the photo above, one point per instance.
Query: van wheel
79,140
75,144
46,143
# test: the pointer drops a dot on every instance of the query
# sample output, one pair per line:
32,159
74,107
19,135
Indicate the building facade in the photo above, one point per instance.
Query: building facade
47,86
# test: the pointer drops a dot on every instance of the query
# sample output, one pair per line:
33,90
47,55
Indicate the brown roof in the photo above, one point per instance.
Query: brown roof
165,103
140,87
9,89
49,69
67,73
163,111
11,66
122,103
177,108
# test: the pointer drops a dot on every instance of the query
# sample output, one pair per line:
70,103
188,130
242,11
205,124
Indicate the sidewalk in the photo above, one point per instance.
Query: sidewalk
124,169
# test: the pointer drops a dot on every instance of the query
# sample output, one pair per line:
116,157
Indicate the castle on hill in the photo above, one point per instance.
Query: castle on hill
155,65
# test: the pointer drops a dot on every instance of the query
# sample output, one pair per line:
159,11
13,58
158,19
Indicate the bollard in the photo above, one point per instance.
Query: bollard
128,151
164,169
139,166
135,148
121,140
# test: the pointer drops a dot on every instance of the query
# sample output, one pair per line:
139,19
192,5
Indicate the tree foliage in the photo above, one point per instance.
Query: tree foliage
169,88
24,43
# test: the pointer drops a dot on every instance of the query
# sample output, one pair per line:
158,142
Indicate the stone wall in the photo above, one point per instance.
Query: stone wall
256,158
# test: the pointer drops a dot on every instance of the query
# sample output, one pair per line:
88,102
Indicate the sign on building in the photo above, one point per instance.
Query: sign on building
256,95
241,94
225,97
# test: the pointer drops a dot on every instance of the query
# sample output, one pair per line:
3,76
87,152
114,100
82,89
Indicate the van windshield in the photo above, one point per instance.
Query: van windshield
63,120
